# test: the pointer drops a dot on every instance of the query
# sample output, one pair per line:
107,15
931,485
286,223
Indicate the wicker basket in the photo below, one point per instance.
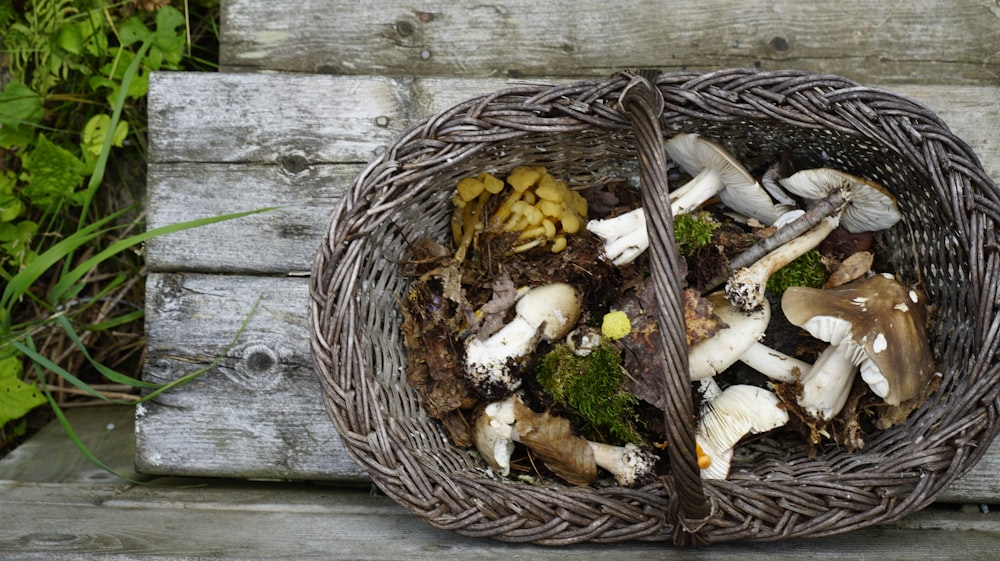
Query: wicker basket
588,131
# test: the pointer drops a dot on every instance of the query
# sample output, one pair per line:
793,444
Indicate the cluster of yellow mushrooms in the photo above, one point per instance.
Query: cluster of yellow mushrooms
539,206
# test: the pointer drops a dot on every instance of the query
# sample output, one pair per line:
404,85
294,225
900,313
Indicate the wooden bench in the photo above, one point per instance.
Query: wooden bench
307,95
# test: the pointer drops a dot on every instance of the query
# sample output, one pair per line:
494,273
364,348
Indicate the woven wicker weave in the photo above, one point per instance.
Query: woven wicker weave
584,132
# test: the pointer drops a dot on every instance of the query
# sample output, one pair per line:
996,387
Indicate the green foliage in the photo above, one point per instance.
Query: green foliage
807,270
693,231
590,386
16,397
72,110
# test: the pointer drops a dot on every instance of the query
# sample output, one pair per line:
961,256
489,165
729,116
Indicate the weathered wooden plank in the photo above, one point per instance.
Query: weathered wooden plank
281,241
290,120
258,412
227,521
241,420
933,42
50,456
289,161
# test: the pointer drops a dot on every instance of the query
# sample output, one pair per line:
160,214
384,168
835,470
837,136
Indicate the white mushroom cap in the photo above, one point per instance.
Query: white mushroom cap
740,409
709,357
881,321
871,207
722,174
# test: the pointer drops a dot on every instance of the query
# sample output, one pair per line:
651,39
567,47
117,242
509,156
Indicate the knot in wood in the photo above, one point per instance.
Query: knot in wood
293,163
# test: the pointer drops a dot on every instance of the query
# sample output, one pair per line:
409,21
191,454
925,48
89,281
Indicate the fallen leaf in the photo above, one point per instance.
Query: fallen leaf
552,440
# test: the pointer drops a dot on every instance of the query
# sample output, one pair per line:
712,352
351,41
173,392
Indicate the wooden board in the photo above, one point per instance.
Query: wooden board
227,521
933,42
258,413
220,144
66,514
50,456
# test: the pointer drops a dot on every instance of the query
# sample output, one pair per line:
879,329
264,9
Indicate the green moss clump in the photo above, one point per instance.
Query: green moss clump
693,231
591,387
807,270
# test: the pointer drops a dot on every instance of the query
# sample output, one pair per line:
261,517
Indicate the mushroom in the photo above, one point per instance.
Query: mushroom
746,285
740,342
858,204
625,236
729,416
575,459
869,206
877,325
546,312
715,172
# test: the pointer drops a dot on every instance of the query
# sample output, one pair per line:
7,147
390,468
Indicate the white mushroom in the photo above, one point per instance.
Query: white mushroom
869,206
740,409
494,434
628,464
740,341
716,173
625,236
504,422
746,285
546,312
860,205
877,325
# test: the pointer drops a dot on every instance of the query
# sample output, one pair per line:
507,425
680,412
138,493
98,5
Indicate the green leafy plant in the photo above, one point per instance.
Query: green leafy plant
72,142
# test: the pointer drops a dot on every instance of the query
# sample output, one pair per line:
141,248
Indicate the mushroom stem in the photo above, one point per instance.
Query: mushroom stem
774,364
826,386
625,236
746,285
628,463
784,235
701,188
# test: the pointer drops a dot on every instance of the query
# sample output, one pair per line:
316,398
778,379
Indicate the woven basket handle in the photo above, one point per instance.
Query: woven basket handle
643,103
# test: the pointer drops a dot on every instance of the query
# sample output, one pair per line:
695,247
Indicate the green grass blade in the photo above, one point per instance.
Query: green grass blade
70,278
116,321
189,377
108,373
116,114
40,361
79,443
22,282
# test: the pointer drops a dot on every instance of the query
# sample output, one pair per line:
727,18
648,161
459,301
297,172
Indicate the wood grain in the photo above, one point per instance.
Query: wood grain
931,42
207,159
258,413
227,521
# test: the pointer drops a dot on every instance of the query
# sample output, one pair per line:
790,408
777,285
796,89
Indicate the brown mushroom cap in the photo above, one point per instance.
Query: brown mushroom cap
880,315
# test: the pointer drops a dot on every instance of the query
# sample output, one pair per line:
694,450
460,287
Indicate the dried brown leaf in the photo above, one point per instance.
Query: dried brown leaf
551,439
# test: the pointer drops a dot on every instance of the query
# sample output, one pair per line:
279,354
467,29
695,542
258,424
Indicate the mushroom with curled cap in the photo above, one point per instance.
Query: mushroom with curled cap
716,173
573,458
877,325
857,204
728,416
545,312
